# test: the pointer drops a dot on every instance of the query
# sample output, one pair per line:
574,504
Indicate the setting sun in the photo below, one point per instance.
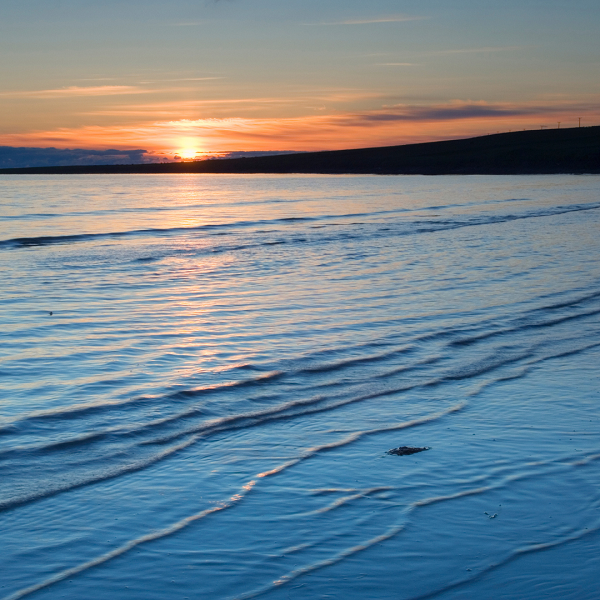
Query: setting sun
188,153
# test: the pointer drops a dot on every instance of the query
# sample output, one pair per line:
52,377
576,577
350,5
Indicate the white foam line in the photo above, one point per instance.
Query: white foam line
300,547
226,504
391,532
359,434
324,563
11,503
132,544
343,500
285,579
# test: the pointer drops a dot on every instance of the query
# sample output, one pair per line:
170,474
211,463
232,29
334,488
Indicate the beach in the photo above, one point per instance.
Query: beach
202,376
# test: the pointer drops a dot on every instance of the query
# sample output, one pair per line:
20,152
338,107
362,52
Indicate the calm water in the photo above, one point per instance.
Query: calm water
207,410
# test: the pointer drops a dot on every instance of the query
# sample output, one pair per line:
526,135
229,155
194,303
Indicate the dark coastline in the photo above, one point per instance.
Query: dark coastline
548,151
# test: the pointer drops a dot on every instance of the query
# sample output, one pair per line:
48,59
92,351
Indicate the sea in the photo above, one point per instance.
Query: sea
202,375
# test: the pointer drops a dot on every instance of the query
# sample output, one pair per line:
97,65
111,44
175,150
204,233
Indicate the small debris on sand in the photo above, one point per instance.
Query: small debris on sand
405,450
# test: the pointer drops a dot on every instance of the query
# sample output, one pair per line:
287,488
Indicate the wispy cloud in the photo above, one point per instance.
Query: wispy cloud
153,81
178,107
374,20
478,50
248,105
195,79
77,91
186,24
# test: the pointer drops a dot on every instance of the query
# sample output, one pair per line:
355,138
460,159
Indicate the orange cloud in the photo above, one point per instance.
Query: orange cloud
391,125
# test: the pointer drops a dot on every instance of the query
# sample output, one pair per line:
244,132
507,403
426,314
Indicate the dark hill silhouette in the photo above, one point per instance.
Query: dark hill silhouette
547,151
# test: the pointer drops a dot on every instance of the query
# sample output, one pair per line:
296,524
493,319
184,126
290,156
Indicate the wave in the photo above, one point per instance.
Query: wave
83,237
317,363
61,487
575,535
231,501
399,527
151,440
244,203
185,427
410,227
536,318
64,239
195,433
78,410
175,527
140,433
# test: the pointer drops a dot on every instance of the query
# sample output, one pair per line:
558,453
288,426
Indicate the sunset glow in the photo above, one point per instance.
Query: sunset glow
389,126
187,153
237,76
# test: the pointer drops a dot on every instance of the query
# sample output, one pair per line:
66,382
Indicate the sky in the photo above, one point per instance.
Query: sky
159,79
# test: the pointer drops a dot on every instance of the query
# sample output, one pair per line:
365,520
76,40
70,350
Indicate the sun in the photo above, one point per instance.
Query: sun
188,148
188,153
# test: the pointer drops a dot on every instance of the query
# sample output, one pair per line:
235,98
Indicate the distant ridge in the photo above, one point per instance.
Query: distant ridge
575,150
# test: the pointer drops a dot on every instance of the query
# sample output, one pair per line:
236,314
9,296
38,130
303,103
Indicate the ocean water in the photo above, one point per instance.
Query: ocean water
201,377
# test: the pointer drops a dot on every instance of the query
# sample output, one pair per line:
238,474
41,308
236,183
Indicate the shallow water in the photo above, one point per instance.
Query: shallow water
207,410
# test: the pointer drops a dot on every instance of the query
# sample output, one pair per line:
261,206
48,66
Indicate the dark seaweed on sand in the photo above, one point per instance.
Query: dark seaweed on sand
405,450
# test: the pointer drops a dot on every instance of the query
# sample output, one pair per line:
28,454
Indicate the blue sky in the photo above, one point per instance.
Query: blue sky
205,75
